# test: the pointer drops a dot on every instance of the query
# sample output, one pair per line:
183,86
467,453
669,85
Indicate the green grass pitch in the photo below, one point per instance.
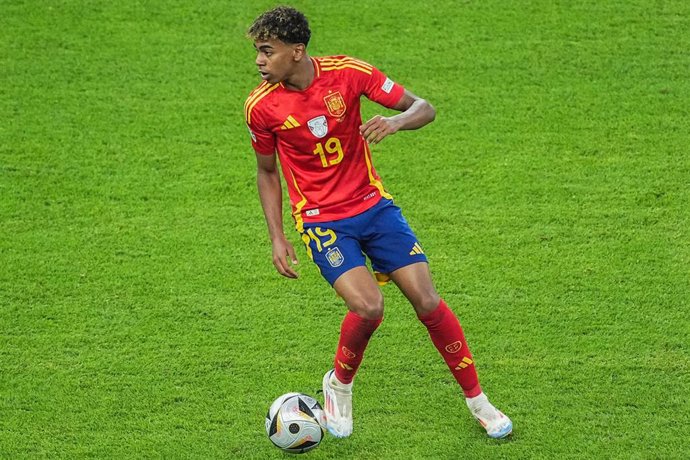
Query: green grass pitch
141,317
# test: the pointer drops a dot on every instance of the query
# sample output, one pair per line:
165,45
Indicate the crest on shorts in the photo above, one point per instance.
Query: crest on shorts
335,257
335,104
318,126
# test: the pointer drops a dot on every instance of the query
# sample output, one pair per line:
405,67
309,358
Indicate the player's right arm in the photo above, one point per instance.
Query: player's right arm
271,196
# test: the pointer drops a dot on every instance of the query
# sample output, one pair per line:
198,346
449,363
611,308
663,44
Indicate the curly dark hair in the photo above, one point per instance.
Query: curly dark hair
283,23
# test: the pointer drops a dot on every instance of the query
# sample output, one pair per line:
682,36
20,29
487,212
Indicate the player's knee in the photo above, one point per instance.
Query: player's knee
426,303
369,306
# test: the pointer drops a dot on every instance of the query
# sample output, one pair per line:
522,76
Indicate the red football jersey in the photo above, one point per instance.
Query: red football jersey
325,160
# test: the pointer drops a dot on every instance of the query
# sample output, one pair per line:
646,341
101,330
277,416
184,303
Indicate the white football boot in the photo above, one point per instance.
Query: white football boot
496,424
337,405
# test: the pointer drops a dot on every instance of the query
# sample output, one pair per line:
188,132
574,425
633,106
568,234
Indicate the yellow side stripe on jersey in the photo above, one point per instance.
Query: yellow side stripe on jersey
372,180
256,99
297,214
345,66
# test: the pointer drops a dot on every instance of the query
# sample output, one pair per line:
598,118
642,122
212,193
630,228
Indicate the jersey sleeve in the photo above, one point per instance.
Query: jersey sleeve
263,140
381,89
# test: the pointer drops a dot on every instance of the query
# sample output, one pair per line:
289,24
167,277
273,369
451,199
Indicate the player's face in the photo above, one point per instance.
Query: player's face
275,60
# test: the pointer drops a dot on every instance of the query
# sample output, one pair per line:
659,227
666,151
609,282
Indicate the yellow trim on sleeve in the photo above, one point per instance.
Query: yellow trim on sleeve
346,66
253,96
330,63
255,100
335,61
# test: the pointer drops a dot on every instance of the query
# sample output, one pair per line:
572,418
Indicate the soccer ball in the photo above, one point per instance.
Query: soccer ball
295,422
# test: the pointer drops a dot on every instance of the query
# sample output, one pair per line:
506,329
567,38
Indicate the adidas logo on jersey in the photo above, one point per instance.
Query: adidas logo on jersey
416,249
290,123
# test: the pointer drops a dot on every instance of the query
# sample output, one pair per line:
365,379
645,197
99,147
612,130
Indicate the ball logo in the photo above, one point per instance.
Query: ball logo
454,347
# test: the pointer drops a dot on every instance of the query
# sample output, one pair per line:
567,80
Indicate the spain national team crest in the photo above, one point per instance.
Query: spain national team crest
335,104
318,126
335,257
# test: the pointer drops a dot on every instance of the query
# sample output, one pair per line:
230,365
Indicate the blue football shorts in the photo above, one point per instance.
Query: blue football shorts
381,233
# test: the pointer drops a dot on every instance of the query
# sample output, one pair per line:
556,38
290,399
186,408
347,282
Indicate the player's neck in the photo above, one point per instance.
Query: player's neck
302,77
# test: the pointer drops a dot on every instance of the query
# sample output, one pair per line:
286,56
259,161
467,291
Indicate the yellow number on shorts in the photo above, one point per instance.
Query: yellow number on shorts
321,233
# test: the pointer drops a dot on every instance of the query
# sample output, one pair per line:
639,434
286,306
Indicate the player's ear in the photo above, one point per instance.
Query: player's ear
298,51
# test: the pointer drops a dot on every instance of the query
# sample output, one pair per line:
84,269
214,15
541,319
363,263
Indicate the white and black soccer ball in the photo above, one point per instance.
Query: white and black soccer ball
295,422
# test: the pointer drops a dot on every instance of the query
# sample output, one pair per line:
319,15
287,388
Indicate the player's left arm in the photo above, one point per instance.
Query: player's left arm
415,112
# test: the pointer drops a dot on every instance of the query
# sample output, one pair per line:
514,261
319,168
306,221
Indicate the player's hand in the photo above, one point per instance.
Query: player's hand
377,128
283,257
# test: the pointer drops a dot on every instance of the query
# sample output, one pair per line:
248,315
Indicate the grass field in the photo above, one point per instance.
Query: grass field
140,314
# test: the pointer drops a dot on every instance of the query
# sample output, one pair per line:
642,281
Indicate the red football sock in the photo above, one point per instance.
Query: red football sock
446,333
354,337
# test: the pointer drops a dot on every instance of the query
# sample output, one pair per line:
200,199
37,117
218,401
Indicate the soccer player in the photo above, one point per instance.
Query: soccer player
307,113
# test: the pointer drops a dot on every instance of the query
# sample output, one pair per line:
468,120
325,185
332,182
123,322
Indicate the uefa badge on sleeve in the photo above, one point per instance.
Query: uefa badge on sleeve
251,133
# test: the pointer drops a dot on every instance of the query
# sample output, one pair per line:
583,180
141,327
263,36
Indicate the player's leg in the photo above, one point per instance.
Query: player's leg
394,250
414,281
334,247
365,312
447,335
